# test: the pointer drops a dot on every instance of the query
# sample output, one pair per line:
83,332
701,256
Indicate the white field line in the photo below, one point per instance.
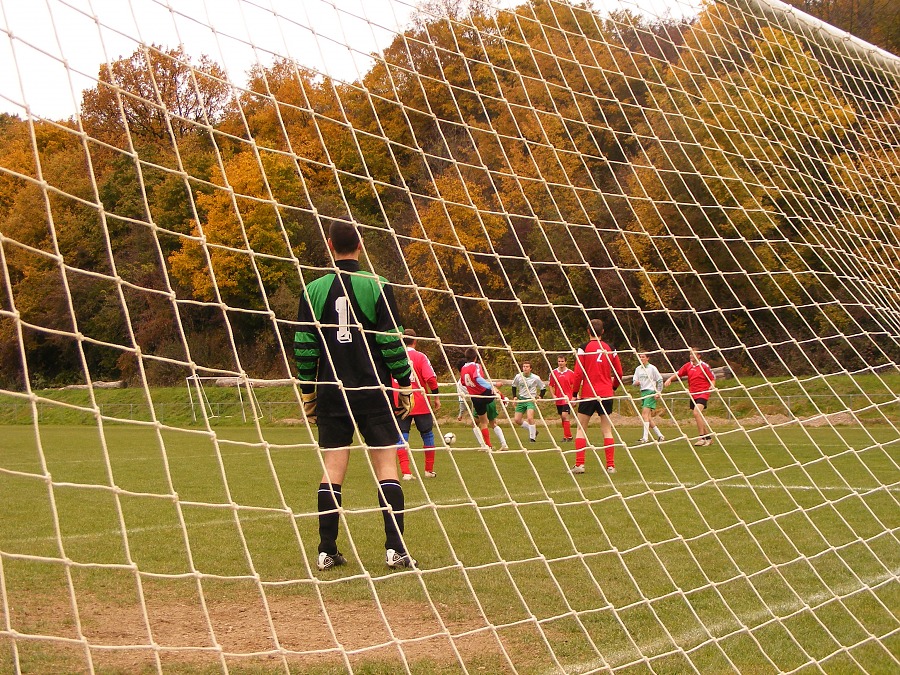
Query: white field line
697,637
667,485
494,501
275,448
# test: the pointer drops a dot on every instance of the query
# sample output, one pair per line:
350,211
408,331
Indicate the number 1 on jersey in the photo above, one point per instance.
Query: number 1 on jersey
342,307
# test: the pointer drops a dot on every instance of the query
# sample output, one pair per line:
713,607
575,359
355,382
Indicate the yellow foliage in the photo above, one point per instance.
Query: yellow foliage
457,226
241,222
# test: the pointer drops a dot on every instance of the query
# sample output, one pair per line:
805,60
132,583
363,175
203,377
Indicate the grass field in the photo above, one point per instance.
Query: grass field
873,398
772,548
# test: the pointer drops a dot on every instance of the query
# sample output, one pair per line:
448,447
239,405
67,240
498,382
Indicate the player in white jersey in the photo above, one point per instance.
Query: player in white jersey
650,382
527,388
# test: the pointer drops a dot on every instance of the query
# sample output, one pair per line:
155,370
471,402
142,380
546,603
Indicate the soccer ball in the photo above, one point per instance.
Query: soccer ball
449,438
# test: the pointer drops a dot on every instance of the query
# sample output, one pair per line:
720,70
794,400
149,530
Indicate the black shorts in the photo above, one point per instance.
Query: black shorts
378,430
602,407
565,408
424,423
480,404
700,401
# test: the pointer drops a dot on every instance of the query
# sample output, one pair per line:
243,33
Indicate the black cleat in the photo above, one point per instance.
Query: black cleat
328,560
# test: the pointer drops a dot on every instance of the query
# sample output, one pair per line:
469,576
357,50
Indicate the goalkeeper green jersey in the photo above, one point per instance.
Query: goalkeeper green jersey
349,342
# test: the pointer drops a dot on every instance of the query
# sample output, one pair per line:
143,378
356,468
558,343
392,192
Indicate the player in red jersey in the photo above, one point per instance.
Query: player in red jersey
598,373
480,391
562,381
701,383
425,400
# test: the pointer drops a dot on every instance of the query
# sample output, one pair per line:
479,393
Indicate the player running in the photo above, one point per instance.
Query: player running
492,414
650,382
483,396
598,373
701,383
421,380
562,380
527,388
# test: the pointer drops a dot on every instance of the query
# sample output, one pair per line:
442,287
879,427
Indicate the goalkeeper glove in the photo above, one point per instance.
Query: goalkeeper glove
404,405
309,405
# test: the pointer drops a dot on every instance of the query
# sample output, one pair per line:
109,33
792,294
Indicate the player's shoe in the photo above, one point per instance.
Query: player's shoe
644,440
533,440
578,468
328,560
429,474
398,561
707,440
700,442
610,469
659,439
408,476
503,448
567,440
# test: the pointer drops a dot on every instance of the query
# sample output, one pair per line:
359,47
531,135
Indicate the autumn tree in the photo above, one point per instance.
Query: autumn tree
250,223
875,21
725,202
56,256
152,95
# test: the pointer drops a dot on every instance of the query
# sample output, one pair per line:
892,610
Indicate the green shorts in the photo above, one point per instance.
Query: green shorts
492,413
648,399
522,406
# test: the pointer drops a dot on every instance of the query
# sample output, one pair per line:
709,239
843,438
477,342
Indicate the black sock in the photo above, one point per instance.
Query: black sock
329,500
393,521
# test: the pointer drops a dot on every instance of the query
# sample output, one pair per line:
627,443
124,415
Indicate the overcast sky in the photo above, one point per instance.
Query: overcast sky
51,50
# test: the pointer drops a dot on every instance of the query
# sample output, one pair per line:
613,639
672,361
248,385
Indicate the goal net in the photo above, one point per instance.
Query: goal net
720,175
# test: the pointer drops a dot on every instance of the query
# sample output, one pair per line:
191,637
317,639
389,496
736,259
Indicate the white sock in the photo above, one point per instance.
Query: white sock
646,430
477,432
532,431
524,424
499,432
657,432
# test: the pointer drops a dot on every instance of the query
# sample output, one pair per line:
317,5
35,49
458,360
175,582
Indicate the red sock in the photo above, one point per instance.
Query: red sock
403,456
486,434
429,459
580,445
567,429
609,445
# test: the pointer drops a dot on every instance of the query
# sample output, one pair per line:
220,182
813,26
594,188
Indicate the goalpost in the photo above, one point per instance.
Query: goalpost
719,175
196,390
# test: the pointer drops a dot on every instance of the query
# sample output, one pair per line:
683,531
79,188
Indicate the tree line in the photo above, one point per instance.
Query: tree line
703,180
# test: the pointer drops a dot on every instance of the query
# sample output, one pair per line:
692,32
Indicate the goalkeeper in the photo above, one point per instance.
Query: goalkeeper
348,346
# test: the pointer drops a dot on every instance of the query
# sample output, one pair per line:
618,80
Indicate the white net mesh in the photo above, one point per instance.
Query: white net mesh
720,175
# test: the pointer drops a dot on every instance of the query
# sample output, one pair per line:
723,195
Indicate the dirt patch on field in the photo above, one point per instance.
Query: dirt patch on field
767,420
298,630
836,419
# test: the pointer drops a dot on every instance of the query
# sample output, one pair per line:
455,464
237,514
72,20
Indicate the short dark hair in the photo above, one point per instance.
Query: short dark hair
471,355
344,237
596,327
460,364
409,336
524,362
